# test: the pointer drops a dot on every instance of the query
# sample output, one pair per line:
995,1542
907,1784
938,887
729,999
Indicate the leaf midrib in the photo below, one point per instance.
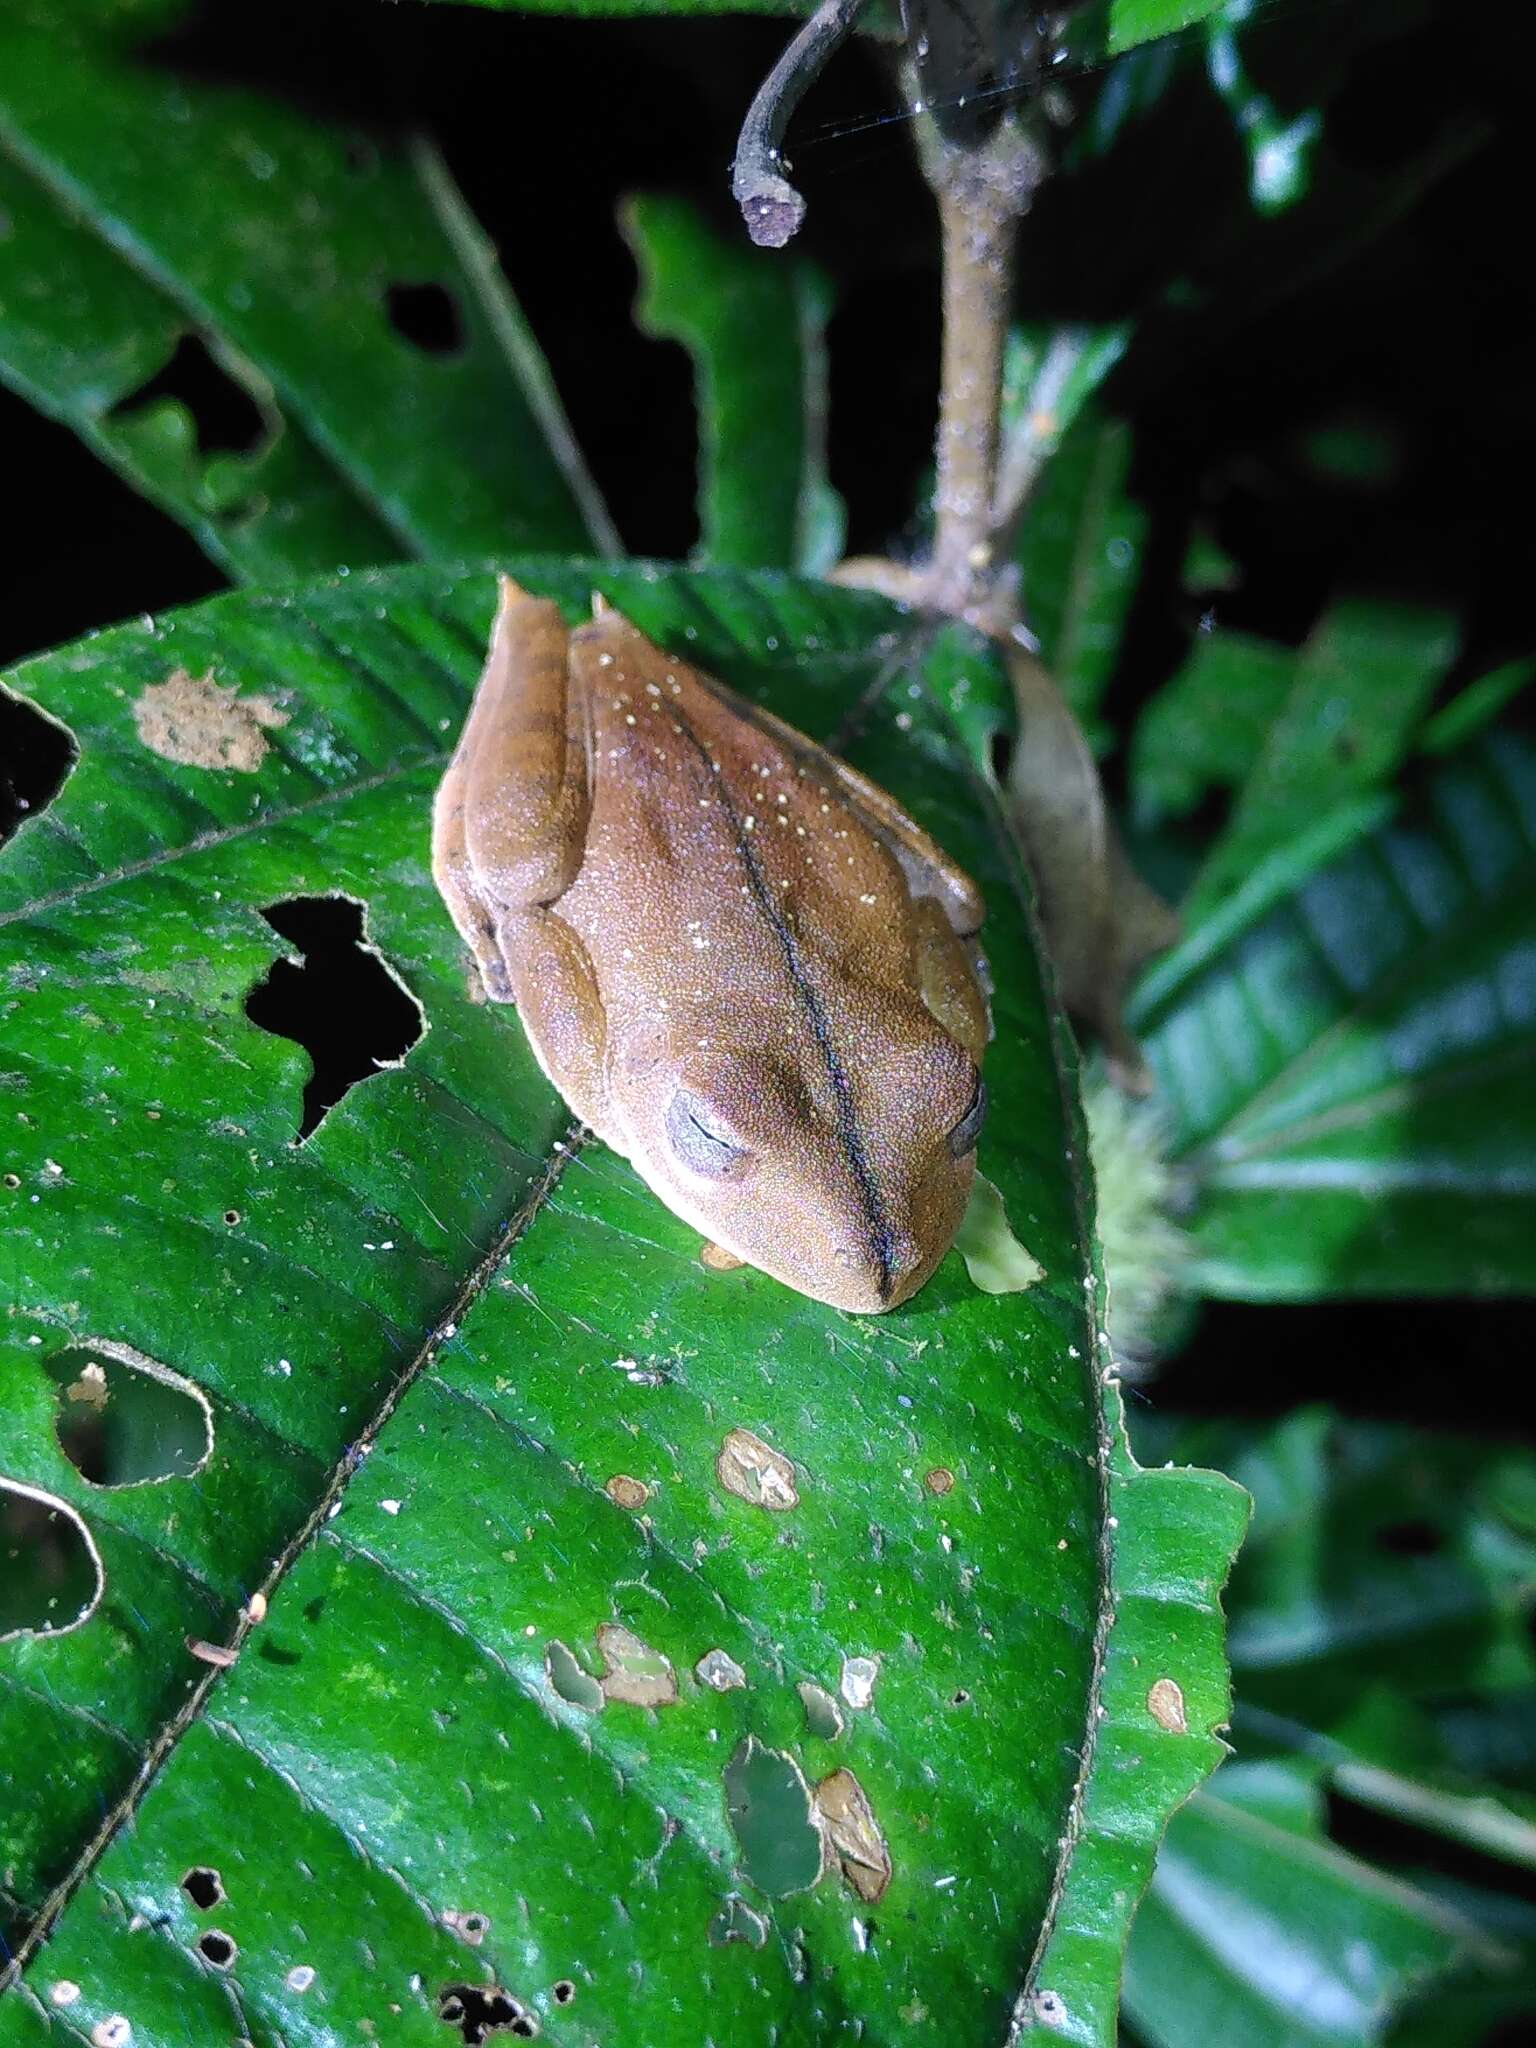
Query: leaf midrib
163,1746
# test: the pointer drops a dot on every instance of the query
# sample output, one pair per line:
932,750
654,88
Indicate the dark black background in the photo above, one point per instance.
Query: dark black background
1421,337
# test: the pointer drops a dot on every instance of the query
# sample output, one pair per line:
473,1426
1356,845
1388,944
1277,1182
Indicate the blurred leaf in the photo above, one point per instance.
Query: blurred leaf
1139,21
334,295
1080,552
1256,1930
1475,707
754,322
1346,1048
1207,725
451,1353
1357,693
1383,1589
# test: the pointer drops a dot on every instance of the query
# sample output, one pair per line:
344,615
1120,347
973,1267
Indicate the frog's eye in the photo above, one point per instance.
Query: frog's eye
962,1138
699,1138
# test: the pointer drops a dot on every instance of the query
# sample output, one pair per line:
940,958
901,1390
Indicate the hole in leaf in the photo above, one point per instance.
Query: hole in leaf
50,1573
216,1948
1000,751
338,1000
575,1686
203,1886
123,1420
36,755
563,1992
226,418
479,2010
427,316
769,1807
1415,1538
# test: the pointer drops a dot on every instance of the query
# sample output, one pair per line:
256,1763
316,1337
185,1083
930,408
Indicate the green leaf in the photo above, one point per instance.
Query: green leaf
153,211
754,322
471,1389
1380,1602
1256,1930
1379,1556
1346,1049
1140,21
1358,692
1205,729
1080,550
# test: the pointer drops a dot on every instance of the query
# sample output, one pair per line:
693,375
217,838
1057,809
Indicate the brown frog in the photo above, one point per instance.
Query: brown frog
739,961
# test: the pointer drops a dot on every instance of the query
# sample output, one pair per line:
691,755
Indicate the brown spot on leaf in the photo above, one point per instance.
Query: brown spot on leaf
716,1259
197,722
755,1472
625,1492
854,1834
471,1928
1165,1703
940,1480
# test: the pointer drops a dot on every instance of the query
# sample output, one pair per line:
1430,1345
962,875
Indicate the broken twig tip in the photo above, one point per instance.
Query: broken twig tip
770,205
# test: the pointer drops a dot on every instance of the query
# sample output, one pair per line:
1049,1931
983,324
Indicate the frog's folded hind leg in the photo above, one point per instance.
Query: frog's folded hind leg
510,814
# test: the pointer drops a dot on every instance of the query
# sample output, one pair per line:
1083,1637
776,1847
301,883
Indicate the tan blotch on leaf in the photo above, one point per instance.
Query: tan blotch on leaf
196,721
854,1834
632,1671
716,1259
625,1492
1165,1703
755,1472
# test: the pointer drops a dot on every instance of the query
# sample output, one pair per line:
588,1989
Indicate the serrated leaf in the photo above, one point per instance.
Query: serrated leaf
754,322
1346,1050
154,212
471,1387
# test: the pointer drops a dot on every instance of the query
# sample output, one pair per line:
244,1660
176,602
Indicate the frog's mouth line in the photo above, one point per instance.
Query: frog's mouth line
877,1225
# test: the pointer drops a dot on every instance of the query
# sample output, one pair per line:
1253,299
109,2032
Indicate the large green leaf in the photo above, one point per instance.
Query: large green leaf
151,212
754,322
470,1391
1346,1048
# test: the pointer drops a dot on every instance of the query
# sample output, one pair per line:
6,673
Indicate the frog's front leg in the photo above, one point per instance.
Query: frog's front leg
508,836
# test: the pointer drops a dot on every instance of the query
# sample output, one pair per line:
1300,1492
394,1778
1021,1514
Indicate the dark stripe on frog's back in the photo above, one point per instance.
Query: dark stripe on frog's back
850,1137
